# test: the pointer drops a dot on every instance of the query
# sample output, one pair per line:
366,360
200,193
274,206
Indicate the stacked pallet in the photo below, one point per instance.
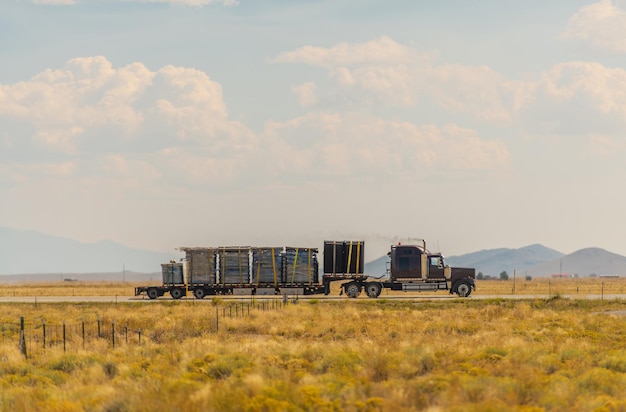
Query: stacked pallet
234,265
201,269
301,266
267,265
172,273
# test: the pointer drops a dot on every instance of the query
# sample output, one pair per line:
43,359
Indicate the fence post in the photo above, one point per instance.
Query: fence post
99,335
63,336
22,338
602,290
83,331
113,332
139,331
44,334
217,319
126,333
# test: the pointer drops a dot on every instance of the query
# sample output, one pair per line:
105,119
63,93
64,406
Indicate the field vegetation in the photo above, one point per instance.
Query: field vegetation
355,355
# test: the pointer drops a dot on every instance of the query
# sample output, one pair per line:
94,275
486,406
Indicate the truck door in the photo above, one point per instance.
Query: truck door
435,267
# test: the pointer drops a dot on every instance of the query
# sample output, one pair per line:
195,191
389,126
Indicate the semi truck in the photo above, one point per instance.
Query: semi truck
245,270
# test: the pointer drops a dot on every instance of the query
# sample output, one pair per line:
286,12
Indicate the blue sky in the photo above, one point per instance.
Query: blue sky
159,124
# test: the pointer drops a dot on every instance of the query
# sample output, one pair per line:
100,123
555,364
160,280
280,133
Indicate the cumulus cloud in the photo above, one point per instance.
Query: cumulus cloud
601,25
196,3
89,104
577,99
343,54
384,71
171,127
55,2
326,144
306,94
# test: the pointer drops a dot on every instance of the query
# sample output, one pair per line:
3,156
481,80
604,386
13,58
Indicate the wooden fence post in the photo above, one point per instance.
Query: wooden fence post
22,338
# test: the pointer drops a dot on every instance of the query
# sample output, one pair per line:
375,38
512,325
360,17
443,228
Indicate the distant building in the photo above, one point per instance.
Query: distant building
561,275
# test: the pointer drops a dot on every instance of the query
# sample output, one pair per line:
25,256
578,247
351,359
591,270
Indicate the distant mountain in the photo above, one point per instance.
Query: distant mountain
584,262
377,267
492,262
32,252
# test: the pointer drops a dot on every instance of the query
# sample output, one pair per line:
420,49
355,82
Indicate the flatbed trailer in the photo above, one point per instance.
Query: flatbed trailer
249,271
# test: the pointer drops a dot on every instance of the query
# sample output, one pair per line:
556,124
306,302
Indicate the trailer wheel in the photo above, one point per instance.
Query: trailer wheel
199,293
176,293
463,289
373,289
352,289
153,293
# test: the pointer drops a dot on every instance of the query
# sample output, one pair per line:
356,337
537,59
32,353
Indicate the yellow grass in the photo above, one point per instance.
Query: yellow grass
363,355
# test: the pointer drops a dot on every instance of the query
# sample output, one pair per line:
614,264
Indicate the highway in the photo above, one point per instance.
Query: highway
208,299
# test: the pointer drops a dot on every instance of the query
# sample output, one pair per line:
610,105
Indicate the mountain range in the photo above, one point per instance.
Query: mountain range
29,252
46,257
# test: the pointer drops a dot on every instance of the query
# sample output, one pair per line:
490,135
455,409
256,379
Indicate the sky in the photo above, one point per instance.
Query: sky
167,123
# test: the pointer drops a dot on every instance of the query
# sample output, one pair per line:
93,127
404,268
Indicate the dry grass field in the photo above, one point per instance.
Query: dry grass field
354,355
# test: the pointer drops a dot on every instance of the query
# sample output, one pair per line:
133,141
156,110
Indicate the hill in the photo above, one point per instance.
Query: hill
492,262
29,252
584,262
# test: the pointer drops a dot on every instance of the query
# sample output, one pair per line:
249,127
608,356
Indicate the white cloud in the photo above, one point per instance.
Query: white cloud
384,71
577,99
196,3
343,54
602,25
325,144
90,104
306,94
55,2
131,129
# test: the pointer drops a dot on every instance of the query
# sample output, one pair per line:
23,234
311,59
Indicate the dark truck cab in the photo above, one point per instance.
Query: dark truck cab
414,268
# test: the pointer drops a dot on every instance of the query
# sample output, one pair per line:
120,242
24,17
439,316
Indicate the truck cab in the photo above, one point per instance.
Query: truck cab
415,268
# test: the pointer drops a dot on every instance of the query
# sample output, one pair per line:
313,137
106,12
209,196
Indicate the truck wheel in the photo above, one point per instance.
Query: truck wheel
463,289
153,293
373,289
176,293
352,289
199,293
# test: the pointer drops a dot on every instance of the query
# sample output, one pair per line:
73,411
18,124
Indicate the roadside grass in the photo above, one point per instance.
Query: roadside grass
363,355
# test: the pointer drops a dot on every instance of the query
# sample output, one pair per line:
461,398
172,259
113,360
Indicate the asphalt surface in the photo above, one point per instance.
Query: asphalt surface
401,297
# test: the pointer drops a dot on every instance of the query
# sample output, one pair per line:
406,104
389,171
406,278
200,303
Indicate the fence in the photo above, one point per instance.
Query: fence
35,338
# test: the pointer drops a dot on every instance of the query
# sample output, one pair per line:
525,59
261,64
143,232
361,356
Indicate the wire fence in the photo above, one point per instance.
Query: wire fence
34,338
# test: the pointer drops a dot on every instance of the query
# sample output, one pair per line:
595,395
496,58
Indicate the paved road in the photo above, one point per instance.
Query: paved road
404,297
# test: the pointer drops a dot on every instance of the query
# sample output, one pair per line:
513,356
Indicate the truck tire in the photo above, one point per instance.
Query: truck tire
373,289
352,289
176,293
463,289
199,293
152,293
